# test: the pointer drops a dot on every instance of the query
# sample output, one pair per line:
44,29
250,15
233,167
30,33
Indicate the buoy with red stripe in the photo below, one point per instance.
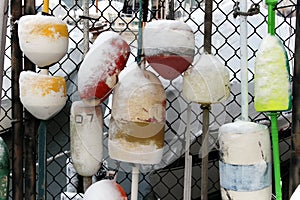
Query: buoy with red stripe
98,73
169,47
105,189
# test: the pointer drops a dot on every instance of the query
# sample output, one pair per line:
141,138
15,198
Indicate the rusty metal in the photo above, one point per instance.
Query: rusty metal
17,107
30,128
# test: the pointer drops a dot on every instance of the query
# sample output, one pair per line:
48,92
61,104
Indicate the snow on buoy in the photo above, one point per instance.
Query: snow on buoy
136,129
43,39
42,95
86,132
169,47
197,81
105,189
245,161
98,73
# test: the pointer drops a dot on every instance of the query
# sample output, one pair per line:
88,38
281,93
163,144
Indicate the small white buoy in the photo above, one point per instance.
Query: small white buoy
105,189
207,81
43,39
86,124
296,194
42,95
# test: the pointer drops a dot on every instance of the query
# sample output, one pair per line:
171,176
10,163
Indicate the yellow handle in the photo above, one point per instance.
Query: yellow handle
46,6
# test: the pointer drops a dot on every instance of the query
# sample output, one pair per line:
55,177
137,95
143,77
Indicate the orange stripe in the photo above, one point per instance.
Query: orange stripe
53,31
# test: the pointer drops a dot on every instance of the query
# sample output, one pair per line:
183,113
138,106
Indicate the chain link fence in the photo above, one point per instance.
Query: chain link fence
163,181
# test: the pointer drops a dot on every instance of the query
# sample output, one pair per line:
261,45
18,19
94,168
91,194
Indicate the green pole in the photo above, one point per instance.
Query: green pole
276,155
271,19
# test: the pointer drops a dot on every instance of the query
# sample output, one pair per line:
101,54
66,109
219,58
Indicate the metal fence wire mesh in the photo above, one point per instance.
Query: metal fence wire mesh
163,181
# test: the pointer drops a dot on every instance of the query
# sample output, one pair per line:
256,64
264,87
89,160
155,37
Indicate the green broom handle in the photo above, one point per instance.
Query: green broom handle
271,15
271,20
276,159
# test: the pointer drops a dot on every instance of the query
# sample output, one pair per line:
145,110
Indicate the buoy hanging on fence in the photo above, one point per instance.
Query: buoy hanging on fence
98,73
42,95
43,39
207,81
136,129
245,161
169,47
105,189
86,123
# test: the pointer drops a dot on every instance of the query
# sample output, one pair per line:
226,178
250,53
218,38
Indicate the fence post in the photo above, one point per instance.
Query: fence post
295,144
17,108
30,128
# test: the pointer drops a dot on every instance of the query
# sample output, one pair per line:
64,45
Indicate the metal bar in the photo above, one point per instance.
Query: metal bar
30,128
3,30
244,61
295,144
208,25
17,107
188,159
204,148
135,182
42,160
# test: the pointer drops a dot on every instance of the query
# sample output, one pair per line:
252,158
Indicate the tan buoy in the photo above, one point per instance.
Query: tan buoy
42,95
169,47
43,39
136,129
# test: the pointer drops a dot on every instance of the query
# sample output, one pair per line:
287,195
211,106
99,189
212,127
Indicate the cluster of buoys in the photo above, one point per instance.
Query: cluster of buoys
137,124
44,40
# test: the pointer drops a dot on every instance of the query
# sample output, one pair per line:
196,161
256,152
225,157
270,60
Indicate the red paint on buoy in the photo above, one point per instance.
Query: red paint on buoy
98,73
169,66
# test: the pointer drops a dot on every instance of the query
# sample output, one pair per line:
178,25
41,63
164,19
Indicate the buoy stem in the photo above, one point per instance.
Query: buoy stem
276,155
135,182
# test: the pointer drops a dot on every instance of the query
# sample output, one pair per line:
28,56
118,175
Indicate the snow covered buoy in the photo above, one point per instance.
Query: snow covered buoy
43,39
207,81
86,132
98,73
136,129
169,47
105,189
245,161
42,95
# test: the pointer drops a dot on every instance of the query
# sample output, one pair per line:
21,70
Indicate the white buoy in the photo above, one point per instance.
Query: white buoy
136,129
86,124
207,81
245,161
42,95
105,189
43,39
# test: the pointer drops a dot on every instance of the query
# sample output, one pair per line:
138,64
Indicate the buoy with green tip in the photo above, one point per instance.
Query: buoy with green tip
272,88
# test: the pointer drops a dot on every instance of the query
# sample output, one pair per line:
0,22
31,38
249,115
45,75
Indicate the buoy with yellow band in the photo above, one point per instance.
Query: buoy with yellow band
42,95
43,39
